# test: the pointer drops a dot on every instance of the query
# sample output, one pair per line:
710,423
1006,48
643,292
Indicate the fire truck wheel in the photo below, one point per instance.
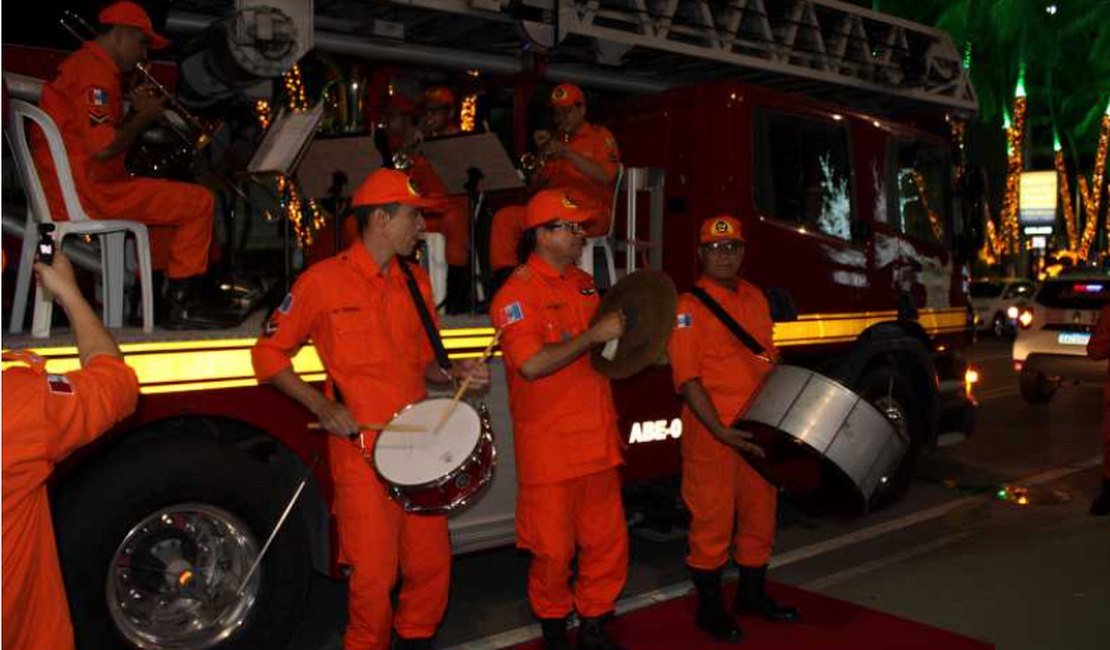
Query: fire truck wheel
892,393
156,539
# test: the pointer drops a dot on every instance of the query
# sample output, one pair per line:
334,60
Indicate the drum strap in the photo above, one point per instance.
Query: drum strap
737,330
426,318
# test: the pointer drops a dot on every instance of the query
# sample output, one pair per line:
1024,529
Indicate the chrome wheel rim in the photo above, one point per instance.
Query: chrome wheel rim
173,582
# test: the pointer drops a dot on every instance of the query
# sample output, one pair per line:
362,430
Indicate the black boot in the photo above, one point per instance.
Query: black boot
412,644
1101,505
555,633
184,310
592,634
712,617
752,598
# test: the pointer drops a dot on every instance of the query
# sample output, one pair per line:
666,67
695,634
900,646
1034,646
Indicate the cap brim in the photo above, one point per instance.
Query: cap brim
425,203
157,41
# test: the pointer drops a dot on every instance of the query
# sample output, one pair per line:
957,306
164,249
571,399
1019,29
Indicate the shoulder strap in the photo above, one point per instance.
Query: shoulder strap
425,318
728,321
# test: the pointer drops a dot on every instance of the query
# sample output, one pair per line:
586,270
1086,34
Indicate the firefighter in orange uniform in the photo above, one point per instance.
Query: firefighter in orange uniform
1098,348
564,427
47,417
86,103
440,114
580,156
730,504
358,311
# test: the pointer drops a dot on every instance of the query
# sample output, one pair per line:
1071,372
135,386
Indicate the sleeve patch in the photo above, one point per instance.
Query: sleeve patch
286,304
98,96
510,314
683,321
59,384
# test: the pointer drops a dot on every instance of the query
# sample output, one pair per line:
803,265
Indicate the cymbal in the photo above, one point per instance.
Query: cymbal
648,300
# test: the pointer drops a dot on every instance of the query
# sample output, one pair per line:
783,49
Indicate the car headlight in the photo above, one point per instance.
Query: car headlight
1012,312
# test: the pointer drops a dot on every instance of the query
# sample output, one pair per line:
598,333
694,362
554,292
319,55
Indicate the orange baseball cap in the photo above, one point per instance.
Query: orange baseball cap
567,95
131,14
554,205
439,96
391,186
720,228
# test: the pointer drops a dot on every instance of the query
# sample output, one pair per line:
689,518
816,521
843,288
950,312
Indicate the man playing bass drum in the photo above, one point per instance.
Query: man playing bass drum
730,504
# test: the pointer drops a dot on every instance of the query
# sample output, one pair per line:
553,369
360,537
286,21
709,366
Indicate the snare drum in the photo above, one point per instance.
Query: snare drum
435,471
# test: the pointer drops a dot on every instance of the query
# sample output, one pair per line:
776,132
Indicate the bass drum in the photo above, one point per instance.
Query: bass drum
826,447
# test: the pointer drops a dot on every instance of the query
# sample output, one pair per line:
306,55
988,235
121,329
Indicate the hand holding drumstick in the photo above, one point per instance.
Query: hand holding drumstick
476,375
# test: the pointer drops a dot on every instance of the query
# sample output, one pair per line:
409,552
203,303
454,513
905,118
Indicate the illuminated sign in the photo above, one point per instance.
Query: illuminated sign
1037,230
655,431
1038,198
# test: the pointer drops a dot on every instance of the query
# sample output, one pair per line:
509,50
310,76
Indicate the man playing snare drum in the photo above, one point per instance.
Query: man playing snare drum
358,311
730,504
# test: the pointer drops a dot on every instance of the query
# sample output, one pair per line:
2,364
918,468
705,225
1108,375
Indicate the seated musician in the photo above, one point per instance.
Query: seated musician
358,310
440,112
731,506
87,104
579,156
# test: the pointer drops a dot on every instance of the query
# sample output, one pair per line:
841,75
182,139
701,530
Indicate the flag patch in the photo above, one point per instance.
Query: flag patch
98,96
684,320
511,314
59,384
286,304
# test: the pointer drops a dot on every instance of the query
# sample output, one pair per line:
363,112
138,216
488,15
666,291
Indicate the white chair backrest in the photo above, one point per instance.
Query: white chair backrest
21,112
616,198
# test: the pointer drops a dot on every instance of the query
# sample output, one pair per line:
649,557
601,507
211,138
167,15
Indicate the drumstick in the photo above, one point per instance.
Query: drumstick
466,382
377,426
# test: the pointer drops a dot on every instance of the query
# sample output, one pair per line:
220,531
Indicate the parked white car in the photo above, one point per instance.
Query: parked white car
1050,348
994,300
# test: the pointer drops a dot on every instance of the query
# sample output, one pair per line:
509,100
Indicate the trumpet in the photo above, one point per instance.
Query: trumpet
191,129
404,157
533,162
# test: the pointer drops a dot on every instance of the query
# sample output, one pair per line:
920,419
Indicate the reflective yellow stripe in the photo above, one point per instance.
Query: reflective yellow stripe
207,364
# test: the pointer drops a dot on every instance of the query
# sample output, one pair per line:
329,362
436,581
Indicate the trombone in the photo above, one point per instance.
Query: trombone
187,126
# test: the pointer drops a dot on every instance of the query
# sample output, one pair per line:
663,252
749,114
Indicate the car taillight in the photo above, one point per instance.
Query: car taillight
1025,318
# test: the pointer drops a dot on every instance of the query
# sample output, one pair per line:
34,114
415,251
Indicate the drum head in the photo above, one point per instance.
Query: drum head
407,458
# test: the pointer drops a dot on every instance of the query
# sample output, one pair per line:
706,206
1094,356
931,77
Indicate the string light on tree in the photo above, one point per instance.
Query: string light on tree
469,113
1015,138
1065,197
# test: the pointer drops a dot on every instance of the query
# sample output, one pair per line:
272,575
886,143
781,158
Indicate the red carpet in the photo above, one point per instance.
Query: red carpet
827,624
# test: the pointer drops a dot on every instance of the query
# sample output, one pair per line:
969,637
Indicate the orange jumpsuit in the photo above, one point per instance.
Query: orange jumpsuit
86,104
454,220
46,417
567,446
718,486
593,142
1098,348
367,332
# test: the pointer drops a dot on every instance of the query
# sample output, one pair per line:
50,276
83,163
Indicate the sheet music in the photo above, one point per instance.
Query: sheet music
453,156
284,141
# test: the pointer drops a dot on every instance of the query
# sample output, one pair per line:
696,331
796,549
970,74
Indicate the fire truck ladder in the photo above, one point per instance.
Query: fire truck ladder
824,48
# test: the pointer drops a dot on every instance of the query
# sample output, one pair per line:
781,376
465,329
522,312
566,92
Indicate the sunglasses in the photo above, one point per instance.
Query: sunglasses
573,227
729,246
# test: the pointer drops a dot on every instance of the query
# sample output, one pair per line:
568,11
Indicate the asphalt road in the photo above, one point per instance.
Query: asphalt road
951,554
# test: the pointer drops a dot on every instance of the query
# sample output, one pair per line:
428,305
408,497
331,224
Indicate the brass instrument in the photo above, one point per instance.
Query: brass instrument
404,157
533,162
191,129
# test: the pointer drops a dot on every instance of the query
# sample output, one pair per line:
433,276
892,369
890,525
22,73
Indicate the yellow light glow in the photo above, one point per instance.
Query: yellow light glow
1025,318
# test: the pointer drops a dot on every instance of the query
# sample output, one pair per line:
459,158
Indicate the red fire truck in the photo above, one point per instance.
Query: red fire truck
824,127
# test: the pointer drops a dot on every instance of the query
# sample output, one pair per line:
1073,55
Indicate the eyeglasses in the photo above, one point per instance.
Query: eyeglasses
573,227
730,246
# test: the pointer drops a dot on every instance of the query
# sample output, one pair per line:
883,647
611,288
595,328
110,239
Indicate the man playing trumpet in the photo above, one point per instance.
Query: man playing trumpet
579,156
86,103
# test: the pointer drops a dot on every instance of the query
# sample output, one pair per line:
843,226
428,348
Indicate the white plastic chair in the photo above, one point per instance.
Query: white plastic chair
112,233
437,265
605,243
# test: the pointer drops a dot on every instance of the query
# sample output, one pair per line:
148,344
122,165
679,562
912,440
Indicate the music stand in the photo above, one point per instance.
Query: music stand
472,163
328,161
280,153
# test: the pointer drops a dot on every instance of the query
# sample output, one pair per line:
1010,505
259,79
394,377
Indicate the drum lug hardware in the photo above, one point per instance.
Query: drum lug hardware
462,481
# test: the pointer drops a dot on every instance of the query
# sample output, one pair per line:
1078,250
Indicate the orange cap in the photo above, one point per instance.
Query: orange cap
439,96
720,228
390,186
554,205
567,95
131,14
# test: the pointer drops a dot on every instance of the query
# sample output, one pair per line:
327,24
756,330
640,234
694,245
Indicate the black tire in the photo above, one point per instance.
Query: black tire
102,506
1035,387
893,394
